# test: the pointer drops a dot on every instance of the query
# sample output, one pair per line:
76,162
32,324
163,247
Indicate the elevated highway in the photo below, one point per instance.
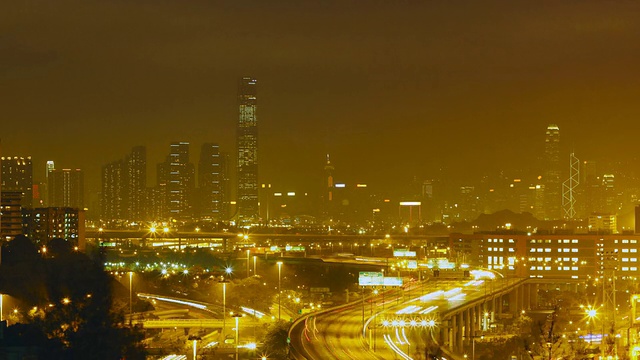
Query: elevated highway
404,324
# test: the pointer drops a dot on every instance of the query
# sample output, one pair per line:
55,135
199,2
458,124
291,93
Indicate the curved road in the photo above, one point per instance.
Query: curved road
337,333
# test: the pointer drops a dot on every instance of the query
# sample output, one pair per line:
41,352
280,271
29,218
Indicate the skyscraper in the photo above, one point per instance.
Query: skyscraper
66,188
247,142
113,191
177,177
17,175
124,187
136,172
210,180
552,174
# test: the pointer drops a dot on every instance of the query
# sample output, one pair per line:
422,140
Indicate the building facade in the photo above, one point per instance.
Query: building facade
17,175
552,174
211,181
247,143
66,188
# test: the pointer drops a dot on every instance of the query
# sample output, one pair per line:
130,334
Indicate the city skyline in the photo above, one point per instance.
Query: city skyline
460,88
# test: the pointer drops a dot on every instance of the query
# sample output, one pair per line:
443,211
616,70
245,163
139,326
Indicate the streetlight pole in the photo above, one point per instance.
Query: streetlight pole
279,284
248,262
237,316
130,296
255,258
224,307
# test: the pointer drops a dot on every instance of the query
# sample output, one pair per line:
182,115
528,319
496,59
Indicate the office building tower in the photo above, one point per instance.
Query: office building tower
247,142
66,188
17,175
136,184
328,188
176,176
225,185
552,174
210,179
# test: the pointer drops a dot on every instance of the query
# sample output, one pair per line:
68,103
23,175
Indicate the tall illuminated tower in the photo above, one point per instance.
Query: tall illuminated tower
247,142
328,201
552,174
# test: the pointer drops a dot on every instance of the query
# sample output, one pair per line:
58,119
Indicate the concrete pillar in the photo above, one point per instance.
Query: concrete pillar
534,296
474,321
452,332
521,298
513,299
443,333
527,296
459,331
467,324
499,303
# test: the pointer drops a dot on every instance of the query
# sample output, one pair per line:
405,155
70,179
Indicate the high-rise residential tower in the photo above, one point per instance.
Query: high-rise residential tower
124,185
552,174
136,175
113,201
17,175
177,177
210,180
66,188
247,142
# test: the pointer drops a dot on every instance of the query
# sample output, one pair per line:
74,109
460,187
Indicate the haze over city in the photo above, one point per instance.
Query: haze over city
338,179
391,90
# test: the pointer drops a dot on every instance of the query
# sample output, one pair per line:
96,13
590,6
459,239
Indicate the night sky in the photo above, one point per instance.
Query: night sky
391,89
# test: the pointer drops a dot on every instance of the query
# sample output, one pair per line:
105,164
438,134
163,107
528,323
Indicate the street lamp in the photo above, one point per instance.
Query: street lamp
195,342
248,262
279,284
130,296
591,313
255,258
237,316
224,306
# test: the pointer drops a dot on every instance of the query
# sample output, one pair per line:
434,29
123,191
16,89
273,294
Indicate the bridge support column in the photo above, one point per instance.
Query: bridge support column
474,321
452,332
443,333
527,297
499,304
533,300
467,324
459,331
513,301
521,298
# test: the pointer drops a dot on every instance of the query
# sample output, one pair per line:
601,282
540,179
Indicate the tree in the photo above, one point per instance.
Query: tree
275,340
74,295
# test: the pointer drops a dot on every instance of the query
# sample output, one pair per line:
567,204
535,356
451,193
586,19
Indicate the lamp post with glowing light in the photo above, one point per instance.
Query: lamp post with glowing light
130,297
248,256
279,284
224,306
591,313
255,258
237,317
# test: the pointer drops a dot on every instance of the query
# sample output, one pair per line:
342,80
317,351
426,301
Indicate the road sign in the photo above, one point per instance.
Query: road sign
403,253
392,281
370,278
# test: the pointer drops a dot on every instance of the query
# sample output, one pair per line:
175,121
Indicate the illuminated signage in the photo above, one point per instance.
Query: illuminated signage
392,281
403,253
368,278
